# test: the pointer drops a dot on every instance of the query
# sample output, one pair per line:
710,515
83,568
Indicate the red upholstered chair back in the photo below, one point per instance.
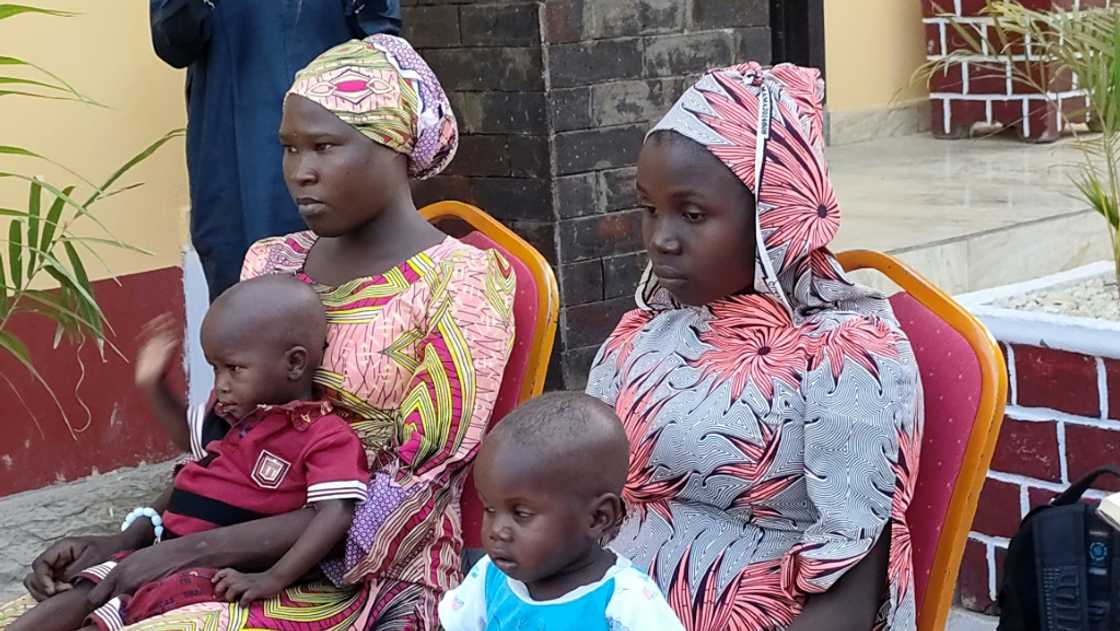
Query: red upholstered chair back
535,312
965,384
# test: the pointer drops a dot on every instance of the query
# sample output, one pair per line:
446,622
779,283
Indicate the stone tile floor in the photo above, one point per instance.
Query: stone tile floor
962,620
969,214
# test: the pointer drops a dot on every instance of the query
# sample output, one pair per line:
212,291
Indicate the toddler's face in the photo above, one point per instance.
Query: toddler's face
249,370
246,379
532,527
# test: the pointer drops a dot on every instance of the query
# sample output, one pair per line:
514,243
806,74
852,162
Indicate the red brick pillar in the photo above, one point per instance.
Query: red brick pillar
984,87
1063,419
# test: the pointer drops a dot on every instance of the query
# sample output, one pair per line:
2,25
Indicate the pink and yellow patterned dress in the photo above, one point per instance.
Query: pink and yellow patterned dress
414,361
773,435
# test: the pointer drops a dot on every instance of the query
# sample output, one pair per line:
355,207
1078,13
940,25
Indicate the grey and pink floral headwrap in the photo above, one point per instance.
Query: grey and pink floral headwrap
766,125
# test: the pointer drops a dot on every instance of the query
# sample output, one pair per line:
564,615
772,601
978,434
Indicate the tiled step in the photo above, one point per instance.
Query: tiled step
968,214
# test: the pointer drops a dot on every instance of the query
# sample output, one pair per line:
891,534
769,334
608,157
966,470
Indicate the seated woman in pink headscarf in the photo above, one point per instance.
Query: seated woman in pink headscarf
773,407
420,328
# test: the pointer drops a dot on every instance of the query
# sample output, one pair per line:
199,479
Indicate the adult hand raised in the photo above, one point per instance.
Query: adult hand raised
138,568
52,571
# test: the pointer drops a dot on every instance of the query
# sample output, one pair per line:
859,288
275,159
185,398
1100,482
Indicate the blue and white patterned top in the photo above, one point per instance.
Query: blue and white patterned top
625,599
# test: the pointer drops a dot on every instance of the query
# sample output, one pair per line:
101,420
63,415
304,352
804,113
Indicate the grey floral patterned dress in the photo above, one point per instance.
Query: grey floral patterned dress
774,434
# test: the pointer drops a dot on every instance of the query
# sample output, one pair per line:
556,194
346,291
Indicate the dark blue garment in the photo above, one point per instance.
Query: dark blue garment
241,57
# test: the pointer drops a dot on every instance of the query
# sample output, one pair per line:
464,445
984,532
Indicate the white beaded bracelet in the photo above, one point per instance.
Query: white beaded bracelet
151,514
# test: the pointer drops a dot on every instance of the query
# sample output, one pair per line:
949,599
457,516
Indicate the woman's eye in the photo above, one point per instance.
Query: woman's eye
693,216
523,514
323,146
290,149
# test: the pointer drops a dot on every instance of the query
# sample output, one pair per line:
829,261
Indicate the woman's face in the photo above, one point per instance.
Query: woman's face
699,223
339,179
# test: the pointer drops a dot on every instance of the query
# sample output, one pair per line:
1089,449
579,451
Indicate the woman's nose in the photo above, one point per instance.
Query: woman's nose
305,172
665,241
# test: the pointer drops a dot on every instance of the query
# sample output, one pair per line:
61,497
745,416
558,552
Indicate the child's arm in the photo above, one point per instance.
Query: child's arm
332,520
152,366
172,415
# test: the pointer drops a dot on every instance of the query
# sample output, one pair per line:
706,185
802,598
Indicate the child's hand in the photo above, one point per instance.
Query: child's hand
245,588
161,343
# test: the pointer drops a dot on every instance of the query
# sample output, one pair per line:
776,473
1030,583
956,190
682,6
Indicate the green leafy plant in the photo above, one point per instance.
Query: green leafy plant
1042,46
43,259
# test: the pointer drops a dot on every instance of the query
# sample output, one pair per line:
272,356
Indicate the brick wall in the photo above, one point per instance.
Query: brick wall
554,98
1062,419
983,88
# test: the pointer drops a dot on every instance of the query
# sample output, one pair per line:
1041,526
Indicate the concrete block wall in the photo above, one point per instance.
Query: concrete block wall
489,58
554,98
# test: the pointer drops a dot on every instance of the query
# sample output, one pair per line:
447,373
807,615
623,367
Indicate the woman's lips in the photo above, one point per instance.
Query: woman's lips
310,207
669,275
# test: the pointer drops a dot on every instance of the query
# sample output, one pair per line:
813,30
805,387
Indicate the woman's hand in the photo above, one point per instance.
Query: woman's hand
233,586
250,546
140,567
54,569
853,602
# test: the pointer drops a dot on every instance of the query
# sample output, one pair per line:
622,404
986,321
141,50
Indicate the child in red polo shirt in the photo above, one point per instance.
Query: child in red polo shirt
264,337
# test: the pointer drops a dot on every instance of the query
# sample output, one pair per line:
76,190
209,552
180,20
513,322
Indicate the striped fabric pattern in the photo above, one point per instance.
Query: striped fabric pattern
414,363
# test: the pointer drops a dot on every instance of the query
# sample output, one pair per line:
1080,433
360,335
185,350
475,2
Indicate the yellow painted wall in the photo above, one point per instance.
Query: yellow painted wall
872,47
106,53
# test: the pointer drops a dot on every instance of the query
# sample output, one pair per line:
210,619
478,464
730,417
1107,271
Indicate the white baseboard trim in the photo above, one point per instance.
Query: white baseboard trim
896,119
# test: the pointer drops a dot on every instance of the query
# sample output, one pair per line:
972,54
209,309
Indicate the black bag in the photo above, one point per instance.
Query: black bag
1063,567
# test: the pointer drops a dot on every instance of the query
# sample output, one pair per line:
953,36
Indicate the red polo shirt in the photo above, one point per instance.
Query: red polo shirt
274,461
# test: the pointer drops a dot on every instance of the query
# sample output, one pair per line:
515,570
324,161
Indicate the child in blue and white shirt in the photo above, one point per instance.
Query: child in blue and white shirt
550,476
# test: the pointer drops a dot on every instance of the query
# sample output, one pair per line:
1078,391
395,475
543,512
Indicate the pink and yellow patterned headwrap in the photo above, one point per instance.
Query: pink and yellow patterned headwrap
384,89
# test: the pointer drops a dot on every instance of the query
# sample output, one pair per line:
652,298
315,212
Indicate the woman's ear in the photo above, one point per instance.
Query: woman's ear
607,513
295,360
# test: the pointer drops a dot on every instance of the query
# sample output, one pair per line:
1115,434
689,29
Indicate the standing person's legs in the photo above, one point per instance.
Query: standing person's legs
218,236
217,233
269,210
222,267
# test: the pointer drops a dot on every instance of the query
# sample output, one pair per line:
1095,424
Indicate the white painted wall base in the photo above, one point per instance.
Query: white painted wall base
196,293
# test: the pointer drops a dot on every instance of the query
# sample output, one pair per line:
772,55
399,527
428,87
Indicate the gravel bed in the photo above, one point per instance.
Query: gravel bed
1095,297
